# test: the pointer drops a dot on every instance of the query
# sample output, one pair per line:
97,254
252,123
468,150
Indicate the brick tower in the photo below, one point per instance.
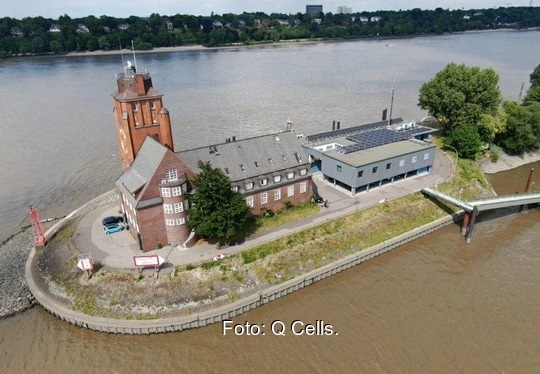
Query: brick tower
139,112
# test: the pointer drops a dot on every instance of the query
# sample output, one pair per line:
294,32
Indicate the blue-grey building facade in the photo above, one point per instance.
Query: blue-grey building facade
372,155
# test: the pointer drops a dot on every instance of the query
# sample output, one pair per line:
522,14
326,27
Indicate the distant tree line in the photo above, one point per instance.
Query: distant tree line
38,35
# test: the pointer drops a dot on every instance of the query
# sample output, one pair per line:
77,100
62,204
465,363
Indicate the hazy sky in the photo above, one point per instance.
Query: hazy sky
125,8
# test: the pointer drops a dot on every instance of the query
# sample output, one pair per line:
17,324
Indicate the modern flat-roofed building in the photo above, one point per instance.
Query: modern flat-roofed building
367,156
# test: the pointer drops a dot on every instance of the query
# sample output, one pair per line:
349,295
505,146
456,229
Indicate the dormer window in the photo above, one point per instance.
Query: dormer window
171,175
264,181
276,137
234,188
277,178
249,186
303,172
290,175
298,158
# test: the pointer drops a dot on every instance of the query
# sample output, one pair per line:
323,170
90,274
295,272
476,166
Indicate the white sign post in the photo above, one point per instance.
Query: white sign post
142,262
85,263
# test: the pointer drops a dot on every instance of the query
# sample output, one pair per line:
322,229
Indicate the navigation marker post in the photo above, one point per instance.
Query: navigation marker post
86,263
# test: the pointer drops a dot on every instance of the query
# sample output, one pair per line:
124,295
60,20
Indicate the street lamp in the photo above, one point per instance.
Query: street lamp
457,155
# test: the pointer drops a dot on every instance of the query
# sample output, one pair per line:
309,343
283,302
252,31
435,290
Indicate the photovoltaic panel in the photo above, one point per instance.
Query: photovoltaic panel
351,130
380,137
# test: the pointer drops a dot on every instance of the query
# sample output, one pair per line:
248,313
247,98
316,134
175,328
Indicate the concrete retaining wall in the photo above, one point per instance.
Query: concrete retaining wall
228,311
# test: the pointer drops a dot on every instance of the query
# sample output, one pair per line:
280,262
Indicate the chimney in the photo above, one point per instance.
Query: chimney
384,114
234,138
333,125
337,125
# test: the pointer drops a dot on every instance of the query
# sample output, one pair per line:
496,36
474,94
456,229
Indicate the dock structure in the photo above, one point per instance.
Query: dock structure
473,207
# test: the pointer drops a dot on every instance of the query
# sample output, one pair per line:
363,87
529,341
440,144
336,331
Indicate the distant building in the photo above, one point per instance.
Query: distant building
16,31
364,19
123,26
313,9
318,21
375,19
344,10
54,28
217,24
82,29
168,24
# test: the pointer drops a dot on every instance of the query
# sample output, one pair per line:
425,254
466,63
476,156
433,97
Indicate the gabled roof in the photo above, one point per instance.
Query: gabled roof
140,172
252,157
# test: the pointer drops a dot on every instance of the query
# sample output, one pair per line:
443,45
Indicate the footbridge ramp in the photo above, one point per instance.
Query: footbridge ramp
473,207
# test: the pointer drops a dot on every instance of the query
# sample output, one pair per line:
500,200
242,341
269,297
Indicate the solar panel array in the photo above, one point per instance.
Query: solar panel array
350,130
380,137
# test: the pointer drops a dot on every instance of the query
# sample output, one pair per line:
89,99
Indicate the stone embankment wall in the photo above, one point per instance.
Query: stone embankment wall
227,311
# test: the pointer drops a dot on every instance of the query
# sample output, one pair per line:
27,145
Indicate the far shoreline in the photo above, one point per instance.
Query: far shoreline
200,47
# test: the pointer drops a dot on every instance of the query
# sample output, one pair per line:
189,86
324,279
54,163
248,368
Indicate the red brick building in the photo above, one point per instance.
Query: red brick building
271,171
153,196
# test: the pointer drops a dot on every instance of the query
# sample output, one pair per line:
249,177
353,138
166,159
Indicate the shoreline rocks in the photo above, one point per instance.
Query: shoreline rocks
507,162
15,296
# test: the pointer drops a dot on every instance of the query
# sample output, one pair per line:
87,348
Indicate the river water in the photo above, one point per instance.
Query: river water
436,305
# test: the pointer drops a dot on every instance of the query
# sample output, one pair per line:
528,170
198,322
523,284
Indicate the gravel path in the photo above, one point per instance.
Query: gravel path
14,294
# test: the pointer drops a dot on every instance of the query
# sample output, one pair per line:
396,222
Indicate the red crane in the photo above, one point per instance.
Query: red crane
37,227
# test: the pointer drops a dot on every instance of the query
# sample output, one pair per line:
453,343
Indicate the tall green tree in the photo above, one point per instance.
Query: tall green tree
466,139
520,133
460,94
217,213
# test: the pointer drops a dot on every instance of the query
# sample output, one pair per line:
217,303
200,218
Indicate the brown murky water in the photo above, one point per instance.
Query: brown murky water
436,305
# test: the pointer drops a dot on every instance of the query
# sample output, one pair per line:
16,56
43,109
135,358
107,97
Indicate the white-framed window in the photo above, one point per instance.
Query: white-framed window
303,172
277,195
264,181
176,191
401,163
178,208
249,201
413,160
166,192
290,191
290,175
264,198
277,178
180,221
426,156
171,175
234,188
249,186
303,187
169,222
168,208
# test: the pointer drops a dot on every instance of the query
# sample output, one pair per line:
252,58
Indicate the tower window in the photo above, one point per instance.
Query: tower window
171,175
152,105
134,107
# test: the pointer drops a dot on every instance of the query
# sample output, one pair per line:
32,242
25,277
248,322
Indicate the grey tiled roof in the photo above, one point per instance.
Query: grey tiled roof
252,157
141,171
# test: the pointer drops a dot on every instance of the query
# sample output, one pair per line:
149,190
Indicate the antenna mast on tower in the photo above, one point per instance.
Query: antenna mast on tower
134,58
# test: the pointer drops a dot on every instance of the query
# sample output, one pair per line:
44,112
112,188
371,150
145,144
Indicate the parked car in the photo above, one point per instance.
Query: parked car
113,227
112,219
317,198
